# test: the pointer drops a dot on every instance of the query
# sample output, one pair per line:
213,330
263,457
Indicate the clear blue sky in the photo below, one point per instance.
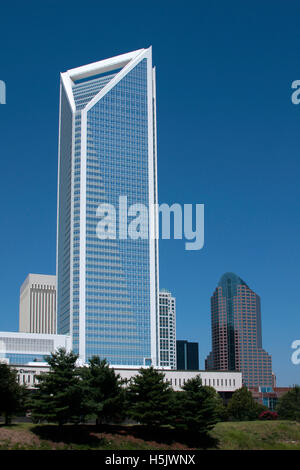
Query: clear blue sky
228,137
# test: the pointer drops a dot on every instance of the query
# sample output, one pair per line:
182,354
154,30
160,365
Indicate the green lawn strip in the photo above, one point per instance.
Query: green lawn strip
257,435
251,435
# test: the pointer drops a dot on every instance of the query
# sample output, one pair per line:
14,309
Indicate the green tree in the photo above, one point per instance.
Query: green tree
221,409
59,394
149,398
197,407
288,406
243,407
11,393
104,396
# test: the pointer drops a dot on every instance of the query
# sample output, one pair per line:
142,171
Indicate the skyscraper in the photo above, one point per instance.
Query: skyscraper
37,313
167,329
108,287
187,355
236,332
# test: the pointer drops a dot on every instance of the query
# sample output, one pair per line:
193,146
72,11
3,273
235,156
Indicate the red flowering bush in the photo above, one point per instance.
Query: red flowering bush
268,415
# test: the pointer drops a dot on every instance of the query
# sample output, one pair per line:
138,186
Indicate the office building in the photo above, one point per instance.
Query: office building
24,348
107,296
167,329
237,333
269,396
225,383
37,312
187,355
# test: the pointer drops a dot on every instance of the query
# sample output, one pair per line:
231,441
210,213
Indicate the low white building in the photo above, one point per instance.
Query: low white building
221,381
23,348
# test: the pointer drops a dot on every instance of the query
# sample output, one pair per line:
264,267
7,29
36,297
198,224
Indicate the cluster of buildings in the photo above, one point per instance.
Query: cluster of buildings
105,299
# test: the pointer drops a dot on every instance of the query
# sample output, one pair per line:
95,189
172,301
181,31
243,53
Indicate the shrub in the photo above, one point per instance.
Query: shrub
268,415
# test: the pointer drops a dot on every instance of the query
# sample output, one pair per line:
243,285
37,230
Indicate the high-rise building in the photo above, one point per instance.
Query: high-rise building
187,355
236,332
167,329
37,311
108,285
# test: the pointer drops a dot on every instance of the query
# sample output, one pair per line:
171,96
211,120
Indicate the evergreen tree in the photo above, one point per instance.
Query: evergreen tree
59,394
289,404
197,407
104,396
149,398
220,408
243,407
11,393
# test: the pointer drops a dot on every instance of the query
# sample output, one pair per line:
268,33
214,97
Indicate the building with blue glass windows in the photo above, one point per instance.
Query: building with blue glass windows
24,348
107,287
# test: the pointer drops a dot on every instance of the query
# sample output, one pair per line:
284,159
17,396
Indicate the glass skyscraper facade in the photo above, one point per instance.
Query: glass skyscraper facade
187,355
107,287
236,332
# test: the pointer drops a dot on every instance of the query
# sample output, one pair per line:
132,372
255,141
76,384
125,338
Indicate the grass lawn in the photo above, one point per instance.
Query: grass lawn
258,435
255,435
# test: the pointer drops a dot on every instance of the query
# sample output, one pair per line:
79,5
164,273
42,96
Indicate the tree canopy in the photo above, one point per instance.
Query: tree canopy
11,393
243,407
149,398
59,394
197,407
288,406
103,393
